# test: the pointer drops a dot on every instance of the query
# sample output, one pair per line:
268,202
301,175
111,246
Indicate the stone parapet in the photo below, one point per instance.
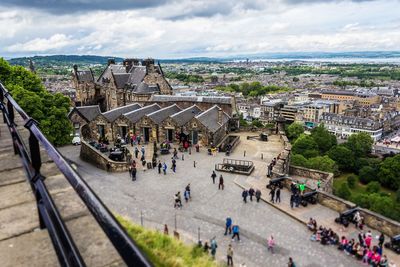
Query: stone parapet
374,220
325,177
101,161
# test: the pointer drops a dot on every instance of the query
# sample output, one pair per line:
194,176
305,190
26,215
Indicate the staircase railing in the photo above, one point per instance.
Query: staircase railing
49,216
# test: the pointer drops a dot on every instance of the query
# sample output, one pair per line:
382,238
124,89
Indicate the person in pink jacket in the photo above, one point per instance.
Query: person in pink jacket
271,244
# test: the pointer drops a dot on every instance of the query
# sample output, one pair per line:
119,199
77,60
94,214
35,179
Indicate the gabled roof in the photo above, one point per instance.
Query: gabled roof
84,76
89,113
144,88
113,114
120,79
136,115
160,115
113,68
209,118
137,74
182,117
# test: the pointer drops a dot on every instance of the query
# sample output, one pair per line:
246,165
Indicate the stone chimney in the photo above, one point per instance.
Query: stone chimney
130,62
220,115
111,61
149,63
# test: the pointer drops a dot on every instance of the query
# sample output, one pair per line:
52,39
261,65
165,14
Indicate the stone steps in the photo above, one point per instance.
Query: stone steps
22,243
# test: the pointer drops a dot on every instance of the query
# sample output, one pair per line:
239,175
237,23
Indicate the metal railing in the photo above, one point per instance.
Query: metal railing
49,216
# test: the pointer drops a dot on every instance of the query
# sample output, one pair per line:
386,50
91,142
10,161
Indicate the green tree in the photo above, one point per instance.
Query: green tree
257,123
373,187
298,160
306,146
389,173
323,163
352,181
344,191
49,110
367,174
295,130
324,139
360,144
343,156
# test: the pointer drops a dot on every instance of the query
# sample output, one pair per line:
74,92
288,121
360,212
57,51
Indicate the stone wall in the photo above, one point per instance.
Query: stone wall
283,159
374,220
325,177
95,157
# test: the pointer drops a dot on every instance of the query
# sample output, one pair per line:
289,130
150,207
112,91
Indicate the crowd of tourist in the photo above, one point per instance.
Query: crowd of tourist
361,248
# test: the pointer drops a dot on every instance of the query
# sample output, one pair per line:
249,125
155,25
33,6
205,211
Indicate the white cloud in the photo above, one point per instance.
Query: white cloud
201,28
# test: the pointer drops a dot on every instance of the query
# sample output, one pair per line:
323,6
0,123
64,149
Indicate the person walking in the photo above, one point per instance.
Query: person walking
173,165
213,247
278,195
291,200
291,262
144,164
134,174
245,193
228,226
186,195
188,190
159,167
381,240
213,176
258,195
165,229
272,194
229,255
271,244
130,171
251,193
235,230
136,152
143,151
175,153
164,168
221,183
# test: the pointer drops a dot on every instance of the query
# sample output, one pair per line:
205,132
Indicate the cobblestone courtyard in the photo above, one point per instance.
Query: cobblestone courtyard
153,196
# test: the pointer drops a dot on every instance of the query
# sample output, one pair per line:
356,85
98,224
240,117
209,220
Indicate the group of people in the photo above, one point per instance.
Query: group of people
231,228
296,190
360,248
251,193
275,193
178,198
221,180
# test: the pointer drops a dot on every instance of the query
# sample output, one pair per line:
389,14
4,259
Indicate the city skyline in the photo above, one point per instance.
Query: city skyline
177,29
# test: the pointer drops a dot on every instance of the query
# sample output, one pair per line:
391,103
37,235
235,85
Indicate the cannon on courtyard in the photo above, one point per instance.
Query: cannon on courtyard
261,137
116,155
235,166
309,197
346,217
394,244
276,182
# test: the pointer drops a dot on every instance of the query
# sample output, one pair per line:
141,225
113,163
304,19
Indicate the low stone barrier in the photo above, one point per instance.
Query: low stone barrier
325,177
372,219
101,161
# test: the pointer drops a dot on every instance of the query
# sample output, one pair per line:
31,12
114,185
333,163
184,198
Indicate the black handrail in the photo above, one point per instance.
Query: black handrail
67,252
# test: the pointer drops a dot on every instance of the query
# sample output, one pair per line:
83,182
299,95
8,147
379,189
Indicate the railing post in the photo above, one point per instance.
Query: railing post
34,148
10,110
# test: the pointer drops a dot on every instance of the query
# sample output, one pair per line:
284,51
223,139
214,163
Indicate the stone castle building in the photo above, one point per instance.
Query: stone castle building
120,84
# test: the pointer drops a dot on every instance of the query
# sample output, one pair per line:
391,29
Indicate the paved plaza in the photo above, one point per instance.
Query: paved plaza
152,195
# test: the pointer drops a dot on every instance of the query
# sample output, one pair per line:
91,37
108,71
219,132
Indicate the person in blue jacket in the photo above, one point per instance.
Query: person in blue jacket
228,226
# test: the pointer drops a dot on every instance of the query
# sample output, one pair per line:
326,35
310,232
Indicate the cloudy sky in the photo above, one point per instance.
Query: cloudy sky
186,28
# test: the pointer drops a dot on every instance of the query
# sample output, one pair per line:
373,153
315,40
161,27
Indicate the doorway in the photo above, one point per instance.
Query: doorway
146,134
123,131
170,135
195,137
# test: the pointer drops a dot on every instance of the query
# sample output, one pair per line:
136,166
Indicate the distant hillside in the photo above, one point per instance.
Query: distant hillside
62,60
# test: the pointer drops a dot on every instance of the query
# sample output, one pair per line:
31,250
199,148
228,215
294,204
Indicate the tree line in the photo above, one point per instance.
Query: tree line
253,89
49,110
320,150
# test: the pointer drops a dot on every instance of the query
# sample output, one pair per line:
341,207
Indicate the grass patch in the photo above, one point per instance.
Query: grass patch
165,251
359,187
